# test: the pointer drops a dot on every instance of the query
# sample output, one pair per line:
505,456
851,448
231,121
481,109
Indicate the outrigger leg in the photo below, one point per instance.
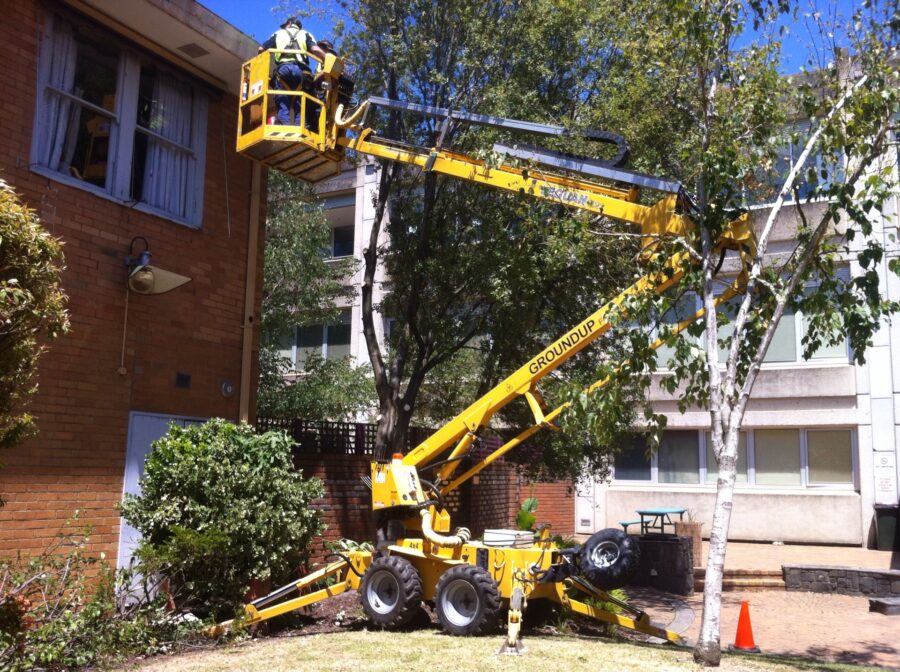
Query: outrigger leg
260,609
640,622
513,645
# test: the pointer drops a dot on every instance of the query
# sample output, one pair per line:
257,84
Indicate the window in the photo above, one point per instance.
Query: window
633,462
681,309
771,181
329,341
783,347
679,457
342,241
787,342
830,456
285,345
712,467
114,122
777,457
792,458
340,210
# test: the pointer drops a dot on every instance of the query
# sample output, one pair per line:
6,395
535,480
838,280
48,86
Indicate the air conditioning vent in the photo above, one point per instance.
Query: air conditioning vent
193,50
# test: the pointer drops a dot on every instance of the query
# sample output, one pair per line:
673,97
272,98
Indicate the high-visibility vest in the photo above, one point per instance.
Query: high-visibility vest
291,38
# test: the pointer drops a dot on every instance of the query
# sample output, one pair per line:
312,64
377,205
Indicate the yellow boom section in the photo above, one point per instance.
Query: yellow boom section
314,148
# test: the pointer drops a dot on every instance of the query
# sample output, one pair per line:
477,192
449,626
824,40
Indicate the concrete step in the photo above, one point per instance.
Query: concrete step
889,606
743,579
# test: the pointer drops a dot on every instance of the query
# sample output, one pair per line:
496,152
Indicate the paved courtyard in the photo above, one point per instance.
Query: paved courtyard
827,627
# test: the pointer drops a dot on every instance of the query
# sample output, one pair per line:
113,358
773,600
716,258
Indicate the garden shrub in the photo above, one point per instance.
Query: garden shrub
65,609
222,506
32,310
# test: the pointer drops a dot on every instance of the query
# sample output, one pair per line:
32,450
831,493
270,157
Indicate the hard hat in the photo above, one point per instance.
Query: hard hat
292,19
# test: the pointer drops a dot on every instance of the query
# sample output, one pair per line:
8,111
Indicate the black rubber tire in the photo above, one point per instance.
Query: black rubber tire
467,601
391,592
609,559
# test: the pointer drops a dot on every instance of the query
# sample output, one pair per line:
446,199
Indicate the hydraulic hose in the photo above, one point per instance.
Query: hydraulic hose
461,537
342,122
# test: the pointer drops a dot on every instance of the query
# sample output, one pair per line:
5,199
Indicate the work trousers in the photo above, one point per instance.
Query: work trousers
294,76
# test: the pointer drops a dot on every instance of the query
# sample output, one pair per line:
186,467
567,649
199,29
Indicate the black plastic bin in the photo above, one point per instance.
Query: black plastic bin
887,527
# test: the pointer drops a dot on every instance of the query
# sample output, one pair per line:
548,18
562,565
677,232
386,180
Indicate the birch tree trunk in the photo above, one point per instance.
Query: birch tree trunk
729,396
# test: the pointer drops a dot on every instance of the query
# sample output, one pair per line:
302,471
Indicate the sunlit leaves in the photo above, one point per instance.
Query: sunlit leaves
32,307
221,505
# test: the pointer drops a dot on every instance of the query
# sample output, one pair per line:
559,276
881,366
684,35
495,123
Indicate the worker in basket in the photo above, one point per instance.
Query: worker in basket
292,70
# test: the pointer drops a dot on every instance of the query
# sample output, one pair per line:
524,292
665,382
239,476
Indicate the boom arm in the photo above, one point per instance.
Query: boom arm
315,153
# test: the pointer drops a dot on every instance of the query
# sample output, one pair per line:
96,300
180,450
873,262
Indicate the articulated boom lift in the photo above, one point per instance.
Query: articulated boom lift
417,557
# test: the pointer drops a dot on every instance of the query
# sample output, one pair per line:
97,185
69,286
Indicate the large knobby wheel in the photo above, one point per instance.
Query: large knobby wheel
391,592
609,559
468,601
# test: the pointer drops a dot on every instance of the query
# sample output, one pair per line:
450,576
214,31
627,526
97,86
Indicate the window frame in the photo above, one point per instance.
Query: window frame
751,484
121,144
334,256
801,125
797,315
323,331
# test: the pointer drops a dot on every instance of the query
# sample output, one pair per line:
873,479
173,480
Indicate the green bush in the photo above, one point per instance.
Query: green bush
525,517
327,389
221,506
65,609
32,308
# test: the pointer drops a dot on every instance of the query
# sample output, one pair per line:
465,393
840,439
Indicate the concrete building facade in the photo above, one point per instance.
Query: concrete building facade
819,450
348,200
118,130
818,454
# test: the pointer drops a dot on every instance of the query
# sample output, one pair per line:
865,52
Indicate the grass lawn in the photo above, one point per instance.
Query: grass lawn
362,651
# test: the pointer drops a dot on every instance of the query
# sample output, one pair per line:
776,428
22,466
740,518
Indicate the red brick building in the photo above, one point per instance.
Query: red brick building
118,122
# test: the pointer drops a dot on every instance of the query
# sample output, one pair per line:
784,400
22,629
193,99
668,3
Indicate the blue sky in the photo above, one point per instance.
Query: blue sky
259,18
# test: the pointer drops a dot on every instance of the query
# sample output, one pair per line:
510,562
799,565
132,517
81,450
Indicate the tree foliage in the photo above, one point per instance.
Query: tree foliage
696,88
301,286
66,609
479,279
32,309
326,389
728,114
220,506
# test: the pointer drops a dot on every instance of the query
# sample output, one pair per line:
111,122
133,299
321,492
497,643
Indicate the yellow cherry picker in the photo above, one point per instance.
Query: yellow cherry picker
418,558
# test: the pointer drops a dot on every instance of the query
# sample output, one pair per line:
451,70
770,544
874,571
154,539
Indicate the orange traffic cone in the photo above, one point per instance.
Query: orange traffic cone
743,641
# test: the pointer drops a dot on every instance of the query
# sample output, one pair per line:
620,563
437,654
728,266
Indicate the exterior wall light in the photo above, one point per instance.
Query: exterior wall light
146,279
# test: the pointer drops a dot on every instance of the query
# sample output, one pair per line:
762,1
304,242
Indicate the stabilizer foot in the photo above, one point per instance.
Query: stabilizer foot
516,649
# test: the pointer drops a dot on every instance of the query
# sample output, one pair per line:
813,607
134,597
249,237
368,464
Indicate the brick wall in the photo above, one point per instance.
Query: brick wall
78,459
556,505
490,502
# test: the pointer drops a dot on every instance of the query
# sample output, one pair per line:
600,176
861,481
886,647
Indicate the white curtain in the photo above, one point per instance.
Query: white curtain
60,122
167,168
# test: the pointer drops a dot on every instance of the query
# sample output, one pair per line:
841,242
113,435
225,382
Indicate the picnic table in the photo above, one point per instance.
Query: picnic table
655,520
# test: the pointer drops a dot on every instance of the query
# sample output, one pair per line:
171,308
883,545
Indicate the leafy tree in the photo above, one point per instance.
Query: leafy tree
221,505
697,90
478,278
300,284
326,389
32,308
720,101
302,287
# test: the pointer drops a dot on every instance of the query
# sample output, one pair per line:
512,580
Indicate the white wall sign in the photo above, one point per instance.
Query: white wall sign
885,478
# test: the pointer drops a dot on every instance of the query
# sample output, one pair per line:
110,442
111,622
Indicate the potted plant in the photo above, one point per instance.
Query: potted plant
691,527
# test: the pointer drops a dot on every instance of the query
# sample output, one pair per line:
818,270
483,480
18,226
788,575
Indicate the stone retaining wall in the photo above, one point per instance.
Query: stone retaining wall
843,580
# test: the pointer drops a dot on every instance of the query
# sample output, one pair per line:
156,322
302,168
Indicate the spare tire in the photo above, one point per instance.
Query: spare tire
609,559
